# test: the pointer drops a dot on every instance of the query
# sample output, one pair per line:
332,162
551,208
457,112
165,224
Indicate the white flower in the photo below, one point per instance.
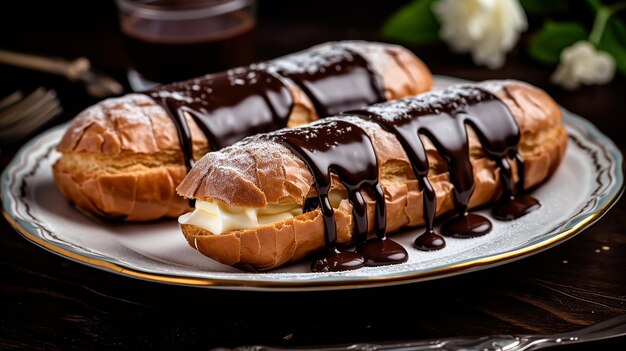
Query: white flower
581,63
486,28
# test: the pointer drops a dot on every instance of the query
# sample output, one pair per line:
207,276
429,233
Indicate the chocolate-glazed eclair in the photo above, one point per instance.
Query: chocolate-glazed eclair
278,197
124,157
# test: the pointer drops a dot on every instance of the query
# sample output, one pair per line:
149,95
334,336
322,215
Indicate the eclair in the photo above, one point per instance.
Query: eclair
123,157
351,179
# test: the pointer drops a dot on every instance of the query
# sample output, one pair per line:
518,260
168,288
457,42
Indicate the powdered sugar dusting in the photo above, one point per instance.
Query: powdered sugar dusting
318,59
452,98
238,160
496,85
234,164
592,167
115,116
175,95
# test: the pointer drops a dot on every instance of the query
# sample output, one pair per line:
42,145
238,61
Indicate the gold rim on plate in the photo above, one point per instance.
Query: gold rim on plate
578,223
369,282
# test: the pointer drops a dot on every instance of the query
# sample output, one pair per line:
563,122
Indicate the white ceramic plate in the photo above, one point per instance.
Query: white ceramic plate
587,183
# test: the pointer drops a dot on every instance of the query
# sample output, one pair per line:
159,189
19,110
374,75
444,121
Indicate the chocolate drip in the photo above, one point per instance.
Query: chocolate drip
336,78
341,147
466,225
513,205
396,118
443,117
382,251
226,106
231,105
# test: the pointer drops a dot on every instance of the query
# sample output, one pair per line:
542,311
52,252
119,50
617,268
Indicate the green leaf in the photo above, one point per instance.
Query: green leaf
544,7
413,24
595,4
546,46
613,41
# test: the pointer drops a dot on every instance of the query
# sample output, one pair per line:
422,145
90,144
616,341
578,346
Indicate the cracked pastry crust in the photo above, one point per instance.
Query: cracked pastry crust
121,158
259,173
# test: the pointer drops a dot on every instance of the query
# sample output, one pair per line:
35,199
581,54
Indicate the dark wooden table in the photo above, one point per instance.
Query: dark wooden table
48,302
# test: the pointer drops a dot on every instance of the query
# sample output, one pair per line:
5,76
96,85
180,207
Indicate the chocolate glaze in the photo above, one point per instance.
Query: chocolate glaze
382,251
467,225
340,146
429,241
513,205
334,260
231,105
325,147
227,106
442,117
335,79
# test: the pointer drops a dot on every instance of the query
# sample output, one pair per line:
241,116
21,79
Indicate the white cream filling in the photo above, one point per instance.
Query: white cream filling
220,219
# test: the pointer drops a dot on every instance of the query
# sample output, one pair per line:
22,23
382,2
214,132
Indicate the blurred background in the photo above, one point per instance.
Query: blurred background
47,300
71,28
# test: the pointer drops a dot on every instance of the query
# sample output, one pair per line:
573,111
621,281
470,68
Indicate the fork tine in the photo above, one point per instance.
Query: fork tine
11,99
34,119
13,112
19,131
20,118
31,103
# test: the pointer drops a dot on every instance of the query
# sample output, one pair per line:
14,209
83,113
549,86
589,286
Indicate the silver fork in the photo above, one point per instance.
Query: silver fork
609,329
97,84
21,115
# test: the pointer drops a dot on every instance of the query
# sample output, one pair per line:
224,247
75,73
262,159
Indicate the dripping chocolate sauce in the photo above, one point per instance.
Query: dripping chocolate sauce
231,105
443,118
341,79
340,146
513,204
324,147
257,102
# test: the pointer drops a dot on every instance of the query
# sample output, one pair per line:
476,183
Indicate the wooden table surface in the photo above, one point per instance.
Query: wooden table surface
48,302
